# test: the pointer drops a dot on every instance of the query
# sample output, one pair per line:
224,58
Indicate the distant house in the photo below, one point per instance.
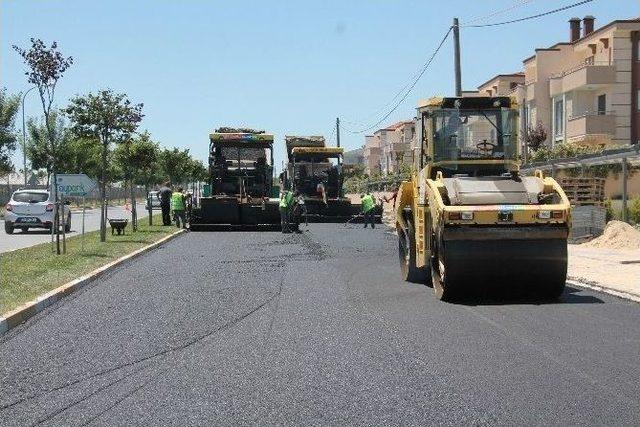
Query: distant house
354,157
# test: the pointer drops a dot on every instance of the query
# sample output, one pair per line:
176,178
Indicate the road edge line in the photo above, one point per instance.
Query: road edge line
599,288
22,313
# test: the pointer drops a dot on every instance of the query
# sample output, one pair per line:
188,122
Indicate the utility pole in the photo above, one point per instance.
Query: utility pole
456,53
338,131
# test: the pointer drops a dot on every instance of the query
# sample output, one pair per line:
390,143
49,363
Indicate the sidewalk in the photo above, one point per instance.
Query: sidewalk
616,269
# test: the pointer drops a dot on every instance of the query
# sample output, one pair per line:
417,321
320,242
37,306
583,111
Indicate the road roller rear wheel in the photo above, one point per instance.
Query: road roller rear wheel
442,288
407,256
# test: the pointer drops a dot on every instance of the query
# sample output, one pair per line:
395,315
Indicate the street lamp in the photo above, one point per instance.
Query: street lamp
24,139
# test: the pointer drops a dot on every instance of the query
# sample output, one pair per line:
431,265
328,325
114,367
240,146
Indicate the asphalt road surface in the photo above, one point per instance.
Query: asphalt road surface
18,239
313,329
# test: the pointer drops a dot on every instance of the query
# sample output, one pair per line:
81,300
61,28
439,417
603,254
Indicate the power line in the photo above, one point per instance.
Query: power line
529,17
517,4
411,86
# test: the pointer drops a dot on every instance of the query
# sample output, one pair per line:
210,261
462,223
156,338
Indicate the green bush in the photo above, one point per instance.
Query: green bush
634,210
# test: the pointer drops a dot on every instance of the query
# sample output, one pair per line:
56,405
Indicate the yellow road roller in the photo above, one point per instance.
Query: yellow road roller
468,220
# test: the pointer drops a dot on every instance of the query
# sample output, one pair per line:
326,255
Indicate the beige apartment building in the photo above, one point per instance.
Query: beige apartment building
371,154
582,91
389,148
585,90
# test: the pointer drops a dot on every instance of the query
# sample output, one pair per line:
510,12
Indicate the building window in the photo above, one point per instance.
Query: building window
602,105
558,117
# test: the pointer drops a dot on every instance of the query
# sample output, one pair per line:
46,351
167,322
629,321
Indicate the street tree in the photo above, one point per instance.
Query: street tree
8,110
110,118
176,165
198,173
45,66
138,159
44,141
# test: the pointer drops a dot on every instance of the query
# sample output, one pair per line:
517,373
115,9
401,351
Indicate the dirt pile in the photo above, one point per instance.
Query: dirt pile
617,235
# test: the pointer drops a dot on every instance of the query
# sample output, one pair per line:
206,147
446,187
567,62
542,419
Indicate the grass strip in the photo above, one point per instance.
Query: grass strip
29,272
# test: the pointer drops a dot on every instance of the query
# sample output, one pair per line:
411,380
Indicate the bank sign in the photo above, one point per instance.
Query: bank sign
74,185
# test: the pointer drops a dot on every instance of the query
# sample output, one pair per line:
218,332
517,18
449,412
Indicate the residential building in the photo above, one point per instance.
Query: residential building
500,85
586,90
371,154
354,157
390,147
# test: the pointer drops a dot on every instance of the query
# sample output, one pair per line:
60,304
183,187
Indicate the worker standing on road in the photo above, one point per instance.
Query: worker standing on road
368,209
164,194
178,206
286,203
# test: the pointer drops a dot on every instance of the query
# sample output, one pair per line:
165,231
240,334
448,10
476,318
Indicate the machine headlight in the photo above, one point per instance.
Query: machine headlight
544,214
454,216
467,216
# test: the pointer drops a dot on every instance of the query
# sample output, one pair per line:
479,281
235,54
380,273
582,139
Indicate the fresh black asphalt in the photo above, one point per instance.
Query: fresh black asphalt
246,328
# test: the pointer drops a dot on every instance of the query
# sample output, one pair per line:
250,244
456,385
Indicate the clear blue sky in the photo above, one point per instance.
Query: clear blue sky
283,66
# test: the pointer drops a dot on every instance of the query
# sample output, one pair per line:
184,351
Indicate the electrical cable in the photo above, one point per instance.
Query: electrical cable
411,86
529,17
518,4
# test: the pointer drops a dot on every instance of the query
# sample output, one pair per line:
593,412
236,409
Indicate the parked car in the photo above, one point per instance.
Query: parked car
32,209
154,197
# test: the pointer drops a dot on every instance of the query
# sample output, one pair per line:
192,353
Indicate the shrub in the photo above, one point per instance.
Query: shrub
634,210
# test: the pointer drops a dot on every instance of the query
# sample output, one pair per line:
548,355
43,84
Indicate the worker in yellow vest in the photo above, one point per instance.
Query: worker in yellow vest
286,204
179,208
368,209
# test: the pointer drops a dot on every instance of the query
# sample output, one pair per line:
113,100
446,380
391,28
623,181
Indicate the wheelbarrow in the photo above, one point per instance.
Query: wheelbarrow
118,225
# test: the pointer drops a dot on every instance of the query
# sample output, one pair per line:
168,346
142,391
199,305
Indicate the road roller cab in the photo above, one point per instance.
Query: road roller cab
467,218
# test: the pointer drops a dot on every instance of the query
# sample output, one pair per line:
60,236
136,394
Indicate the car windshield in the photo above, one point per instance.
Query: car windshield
30,197
474,134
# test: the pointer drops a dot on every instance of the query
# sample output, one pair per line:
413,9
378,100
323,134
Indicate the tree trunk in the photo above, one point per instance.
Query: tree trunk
134,212
149,203
103,191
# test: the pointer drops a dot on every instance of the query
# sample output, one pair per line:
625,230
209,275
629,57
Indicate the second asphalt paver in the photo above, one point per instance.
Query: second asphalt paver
312,329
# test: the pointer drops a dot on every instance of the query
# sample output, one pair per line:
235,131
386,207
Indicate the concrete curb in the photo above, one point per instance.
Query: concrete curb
19,315
599,288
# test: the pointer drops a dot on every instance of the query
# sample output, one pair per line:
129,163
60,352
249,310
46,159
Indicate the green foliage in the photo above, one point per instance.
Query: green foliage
634,209
569,150
198,171
176,165
46,145
8,111
45,66
107,115
610,214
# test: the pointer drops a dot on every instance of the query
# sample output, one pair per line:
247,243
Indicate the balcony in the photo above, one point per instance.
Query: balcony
591,128
586,76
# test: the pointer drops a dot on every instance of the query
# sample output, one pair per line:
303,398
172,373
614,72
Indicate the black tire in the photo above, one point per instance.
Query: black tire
24,229
407,256
442,288
67,225
8,227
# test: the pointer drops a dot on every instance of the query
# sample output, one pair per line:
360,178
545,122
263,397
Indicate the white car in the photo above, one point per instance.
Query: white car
154,197
32,209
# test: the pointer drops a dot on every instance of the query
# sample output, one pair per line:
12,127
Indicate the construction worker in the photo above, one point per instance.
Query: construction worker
368,209
164,194
286,203
179,208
